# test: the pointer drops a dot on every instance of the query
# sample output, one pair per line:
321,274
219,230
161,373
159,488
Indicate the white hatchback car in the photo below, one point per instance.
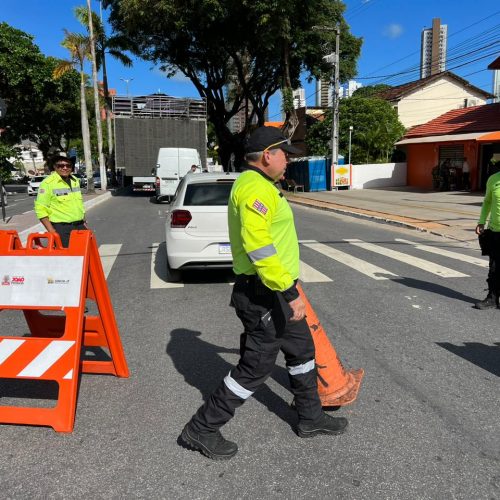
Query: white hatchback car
34,184
197,234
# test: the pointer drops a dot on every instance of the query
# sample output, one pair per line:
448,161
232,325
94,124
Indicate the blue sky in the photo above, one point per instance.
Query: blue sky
391,30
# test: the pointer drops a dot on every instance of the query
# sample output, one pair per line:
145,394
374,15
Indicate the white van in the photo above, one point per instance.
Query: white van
172,165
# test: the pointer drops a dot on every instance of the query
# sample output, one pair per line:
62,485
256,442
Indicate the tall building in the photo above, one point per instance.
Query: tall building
350,88
496,85
433,50
324,92
299,98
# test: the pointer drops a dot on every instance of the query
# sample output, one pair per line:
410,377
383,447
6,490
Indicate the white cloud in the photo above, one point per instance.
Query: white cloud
393,30
178,77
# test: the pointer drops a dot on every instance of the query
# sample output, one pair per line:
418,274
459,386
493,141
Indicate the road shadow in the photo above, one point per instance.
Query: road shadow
434,288
203,367
485,356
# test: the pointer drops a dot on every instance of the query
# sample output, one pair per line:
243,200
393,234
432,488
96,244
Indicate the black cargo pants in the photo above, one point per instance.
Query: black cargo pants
493,279
64,230
264,315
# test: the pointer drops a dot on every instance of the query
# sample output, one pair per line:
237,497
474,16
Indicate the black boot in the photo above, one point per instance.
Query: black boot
324,425
211,444
490,302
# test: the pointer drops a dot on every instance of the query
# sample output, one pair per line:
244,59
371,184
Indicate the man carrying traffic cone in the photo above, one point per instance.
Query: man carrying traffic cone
265,253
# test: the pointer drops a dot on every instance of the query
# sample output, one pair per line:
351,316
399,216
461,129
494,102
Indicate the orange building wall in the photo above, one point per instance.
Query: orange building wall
422,158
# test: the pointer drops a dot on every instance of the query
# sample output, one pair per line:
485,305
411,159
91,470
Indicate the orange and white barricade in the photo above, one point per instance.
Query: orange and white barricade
35,278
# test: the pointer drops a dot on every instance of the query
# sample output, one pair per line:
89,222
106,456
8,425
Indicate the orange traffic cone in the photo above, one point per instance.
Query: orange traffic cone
336,386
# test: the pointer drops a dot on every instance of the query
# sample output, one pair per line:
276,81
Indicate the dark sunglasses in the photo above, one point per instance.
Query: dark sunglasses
63,165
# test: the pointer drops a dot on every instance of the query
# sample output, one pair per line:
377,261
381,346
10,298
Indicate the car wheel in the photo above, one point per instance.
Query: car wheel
173,275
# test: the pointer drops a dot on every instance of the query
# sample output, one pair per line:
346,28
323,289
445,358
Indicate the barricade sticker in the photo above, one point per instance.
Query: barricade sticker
40,280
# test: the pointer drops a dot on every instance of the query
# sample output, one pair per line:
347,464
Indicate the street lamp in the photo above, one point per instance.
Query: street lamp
351,128
127,81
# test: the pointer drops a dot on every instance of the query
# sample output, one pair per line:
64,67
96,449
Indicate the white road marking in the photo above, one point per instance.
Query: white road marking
159,262
447,253
374,272
310,275
48,357
108,255
426,265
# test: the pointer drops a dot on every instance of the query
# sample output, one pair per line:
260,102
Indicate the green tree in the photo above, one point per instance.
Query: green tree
371,90
257,46
78,47
376,129
40,108
115,46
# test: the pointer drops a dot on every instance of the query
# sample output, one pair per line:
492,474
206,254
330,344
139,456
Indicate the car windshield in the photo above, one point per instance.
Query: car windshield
213,193
40,178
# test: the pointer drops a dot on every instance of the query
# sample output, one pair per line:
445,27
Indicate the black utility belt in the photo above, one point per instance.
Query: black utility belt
76,223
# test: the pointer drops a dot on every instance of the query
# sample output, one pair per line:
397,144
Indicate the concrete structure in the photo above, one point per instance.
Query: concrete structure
471,133
299,98
378,175
495,66
433,49
423,100
349,89
324,93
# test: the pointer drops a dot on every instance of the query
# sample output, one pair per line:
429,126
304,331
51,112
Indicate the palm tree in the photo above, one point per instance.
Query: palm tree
114,46
97,107
79,49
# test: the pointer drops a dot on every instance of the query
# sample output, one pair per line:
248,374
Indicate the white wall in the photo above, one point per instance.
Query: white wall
435,99
378,175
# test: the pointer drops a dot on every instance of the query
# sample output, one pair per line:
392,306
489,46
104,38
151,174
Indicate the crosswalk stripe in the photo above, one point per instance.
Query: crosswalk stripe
374,272
159,261
426,265
108,255
446,253
310,275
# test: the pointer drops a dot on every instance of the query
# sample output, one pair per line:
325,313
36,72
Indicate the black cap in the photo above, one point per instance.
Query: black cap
268,138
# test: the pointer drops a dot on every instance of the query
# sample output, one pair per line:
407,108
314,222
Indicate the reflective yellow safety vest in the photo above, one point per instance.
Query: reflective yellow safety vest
262,231
491,203
58,201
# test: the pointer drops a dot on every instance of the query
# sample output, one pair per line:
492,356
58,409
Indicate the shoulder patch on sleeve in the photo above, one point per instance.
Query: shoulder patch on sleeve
259,206
41,191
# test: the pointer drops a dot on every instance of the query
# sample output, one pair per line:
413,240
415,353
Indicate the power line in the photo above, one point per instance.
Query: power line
450,36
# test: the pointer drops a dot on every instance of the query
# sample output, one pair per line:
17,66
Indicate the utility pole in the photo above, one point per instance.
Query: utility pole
334,60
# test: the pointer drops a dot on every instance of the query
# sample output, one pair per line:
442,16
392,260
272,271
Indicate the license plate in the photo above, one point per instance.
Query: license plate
224,248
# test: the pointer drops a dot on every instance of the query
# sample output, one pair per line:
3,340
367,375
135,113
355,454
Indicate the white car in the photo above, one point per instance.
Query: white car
197,234
34,184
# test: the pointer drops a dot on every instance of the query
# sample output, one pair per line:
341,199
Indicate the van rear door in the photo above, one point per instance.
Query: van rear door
187,158
167,170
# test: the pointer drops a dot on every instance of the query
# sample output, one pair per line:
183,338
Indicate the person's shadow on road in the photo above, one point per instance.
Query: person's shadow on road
201,365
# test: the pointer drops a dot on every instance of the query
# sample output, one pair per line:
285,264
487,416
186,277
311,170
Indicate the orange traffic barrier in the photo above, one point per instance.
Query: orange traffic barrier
51,278
336,385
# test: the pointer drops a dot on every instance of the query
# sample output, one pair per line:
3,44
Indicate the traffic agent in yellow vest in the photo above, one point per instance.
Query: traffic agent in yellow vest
59,200
59,203
262,231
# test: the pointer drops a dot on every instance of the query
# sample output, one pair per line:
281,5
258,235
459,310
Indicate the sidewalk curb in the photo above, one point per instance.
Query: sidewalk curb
38,228
375,218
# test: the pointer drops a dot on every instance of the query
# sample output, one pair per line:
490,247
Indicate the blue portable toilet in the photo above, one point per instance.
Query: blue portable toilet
317,173
312,173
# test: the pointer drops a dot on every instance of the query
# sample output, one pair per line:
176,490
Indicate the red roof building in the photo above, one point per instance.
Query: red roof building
471,134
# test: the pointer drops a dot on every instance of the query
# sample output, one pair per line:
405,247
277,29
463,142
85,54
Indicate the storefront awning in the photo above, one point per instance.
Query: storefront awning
490,137
441,138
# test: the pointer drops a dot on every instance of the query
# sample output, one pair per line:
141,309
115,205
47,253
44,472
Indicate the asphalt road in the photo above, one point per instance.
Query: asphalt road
425,424
18,203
